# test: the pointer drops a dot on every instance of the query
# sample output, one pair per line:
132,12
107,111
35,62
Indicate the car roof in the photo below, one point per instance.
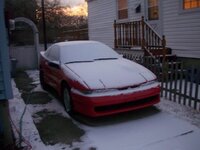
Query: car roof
72,51
63,44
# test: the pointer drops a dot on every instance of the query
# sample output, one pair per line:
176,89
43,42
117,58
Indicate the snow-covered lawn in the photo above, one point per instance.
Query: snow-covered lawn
168,126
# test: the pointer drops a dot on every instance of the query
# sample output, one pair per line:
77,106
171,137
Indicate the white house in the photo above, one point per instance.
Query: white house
178,20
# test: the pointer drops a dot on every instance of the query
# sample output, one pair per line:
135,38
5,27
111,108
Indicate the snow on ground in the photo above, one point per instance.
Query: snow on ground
142,133
180,111
174,127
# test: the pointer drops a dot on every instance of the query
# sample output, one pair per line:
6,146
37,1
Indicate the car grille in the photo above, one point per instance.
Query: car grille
126,105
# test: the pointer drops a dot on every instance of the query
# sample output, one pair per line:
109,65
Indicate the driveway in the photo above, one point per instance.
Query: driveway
167,126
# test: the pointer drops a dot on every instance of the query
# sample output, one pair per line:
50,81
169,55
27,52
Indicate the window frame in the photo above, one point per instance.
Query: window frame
148,8
182,10
190,1
118,10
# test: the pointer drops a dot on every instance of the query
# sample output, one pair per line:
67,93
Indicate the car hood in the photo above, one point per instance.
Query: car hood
104,74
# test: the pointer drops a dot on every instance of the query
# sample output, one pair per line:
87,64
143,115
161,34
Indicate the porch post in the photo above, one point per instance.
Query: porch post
115,34
164,47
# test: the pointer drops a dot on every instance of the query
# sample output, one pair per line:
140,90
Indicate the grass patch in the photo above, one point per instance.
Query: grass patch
36,98
189,62
54,128
23,82
44,113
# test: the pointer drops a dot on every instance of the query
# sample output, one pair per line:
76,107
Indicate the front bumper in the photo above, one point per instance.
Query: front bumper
106,105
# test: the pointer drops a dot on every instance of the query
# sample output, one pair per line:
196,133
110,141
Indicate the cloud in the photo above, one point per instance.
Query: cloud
72,2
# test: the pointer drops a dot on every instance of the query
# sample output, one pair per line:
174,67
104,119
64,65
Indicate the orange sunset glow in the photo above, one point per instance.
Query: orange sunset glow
80,10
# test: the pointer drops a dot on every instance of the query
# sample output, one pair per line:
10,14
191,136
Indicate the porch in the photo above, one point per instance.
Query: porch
139,35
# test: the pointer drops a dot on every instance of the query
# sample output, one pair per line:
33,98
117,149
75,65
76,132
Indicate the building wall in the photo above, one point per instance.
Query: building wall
26,56
182,29
5,81
101,16
132,4
100,19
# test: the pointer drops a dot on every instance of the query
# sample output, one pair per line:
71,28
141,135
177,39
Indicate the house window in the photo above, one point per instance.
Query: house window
189,4
153,11
122,9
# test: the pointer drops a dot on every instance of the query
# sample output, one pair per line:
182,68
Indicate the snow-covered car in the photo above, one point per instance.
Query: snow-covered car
94,80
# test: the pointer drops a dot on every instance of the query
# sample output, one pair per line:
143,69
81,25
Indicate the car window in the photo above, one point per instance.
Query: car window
86,51
46,54
53,53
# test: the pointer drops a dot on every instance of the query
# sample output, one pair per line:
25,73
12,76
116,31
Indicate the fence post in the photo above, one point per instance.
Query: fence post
115,34
164,47
143,40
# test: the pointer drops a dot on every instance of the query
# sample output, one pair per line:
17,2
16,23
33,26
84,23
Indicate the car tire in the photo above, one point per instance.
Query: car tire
42,82
66,96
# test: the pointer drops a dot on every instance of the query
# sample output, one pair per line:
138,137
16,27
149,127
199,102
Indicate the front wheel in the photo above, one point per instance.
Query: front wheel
67,100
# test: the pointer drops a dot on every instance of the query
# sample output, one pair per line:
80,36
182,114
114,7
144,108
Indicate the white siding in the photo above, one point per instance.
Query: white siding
182,29
132,6
101,16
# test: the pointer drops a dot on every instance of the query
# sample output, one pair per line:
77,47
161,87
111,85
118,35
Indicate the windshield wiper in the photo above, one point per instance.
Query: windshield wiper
106,58
78,61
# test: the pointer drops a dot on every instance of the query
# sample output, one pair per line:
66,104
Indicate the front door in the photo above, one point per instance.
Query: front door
153,15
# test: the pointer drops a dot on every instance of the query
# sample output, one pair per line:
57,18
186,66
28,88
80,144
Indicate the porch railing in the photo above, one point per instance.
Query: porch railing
138,33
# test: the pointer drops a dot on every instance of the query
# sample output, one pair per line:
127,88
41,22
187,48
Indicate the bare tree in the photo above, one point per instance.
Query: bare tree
58,19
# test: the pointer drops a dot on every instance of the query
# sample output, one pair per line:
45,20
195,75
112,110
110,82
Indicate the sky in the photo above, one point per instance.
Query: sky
72,2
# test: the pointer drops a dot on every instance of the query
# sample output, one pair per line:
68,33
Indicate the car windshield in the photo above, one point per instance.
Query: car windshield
86,52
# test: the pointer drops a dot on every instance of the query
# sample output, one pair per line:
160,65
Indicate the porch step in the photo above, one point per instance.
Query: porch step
159,51
168,57
128,48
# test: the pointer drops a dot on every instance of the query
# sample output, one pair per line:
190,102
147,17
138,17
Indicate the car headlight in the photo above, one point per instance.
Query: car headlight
150,82
88,92
82,92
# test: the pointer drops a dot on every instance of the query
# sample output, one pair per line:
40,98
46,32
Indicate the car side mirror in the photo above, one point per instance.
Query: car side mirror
54,64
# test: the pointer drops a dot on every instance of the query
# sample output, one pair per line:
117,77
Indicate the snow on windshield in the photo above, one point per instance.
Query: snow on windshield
85,51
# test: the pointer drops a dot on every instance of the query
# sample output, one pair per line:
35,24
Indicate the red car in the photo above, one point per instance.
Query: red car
95,81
